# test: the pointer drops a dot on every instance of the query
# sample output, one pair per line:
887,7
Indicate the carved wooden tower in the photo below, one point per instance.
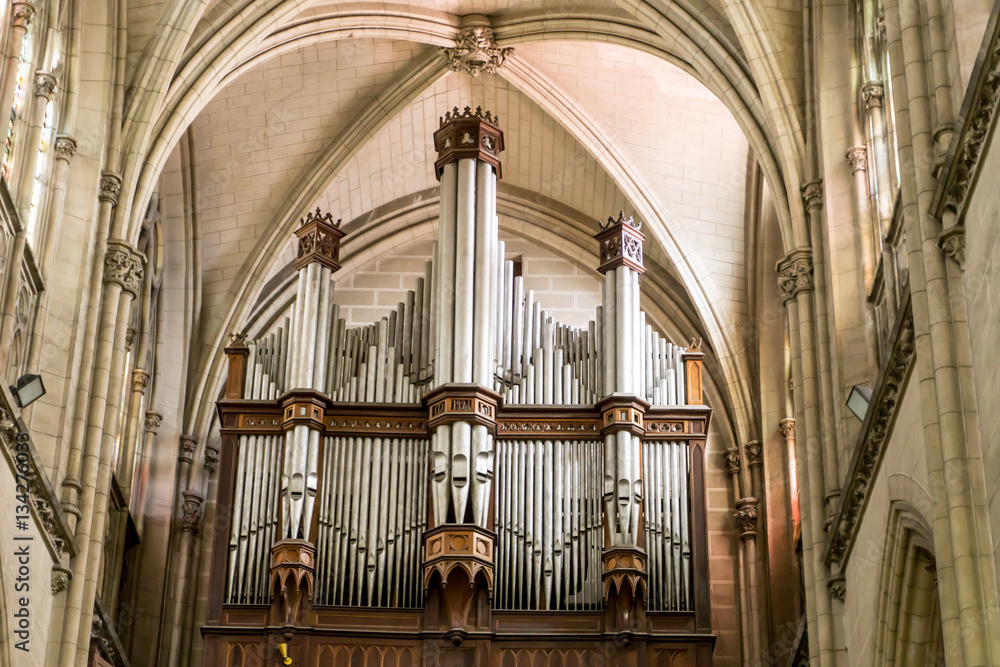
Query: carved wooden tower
466,482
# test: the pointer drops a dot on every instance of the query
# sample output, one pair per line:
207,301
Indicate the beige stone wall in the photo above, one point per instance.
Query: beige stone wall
982,278
39,592
903,468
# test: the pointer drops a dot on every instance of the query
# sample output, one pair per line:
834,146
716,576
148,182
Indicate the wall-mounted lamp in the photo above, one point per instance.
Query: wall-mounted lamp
29,388
858,400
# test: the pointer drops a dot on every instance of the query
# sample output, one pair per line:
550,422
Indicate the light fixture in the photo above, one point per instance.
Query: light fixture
858,401
29,388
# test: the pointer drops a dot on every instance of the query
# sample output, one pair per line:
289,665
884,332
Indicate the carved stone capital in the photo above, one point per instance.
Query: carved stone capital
795,274
858,157
476,52
745,518
60,578
755,453
192,511
211,456
871,93
22,15
45,84
812,195
65,147
111,187
733,460
787,428
124,267
837,587
153,421
140,380
189,445
952,241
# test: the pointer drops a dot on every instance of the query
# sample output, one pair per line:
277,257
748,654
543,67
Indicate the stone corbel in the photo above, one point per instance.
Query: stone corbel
952,241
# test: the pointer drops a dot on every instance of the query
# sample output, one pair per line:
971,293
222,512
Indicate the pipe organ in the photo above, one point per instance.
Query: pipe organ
466,477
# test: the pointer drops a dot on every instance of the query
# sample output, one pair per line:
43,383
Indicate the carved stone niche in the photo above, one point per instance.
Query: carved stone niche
458,577
620,244
293,571
468,134
625,588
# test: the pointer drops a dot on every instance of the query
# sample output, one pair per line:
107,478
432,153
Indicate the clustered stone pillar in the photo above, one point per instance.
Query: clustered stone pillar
623,421
795,281
459,544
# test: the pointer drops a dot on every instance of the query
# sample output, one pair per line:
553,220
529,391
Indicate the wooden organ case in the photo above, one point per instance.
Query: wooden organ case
466,482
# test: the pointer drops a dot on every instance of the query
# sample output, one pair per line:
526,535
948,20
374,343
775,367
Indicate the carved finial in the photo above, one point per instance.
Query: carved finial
695,345
622,219
238,339
317,215
467,112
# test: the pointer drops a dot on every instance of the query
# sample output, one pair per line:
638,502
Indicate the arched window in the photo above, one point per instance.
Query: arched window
20,98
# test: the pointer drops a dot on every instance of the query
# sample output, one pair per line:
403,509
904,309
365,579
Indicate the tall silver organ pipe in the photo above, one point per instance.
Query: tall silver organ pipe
666,514
466,265
548,521
383,362
371,522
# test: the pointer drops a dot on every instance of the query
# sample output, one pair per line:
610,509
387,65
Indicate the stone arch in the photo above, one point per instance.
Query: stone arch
908,630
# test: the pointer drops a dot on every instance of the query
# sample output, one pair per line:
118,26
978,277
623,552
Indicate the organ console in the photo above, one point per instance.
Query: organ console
467,481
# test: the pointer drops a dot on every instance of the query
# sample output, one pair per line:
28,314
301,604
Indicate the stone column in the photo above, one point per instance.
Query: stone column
44,89
153,421
871,94
462,406
869,231
122,277
21,15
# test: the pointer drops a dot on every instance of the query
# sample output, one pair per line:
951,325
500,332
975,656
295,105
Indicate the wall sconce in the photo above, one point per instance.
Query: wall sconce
858,400
29,388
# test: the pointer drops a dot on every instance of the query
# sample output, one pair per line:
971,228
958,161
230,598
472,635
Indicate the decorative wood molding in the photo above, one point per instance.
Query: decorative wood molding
875,433
318,241
620,244
468,134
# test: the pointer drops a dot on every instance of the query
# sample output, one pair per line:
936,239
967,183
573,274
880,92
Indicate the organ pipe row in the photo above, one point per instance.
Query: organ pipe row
468,341
549,526
254,518
388,361
667,525
371,522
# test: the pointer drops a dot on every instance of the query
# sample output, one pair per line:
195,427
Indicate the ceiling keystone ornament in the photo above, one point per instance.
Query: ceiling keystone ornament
795,274
45,84
812,194
787,428
189,445
111,187
755,453
858,157
192,511
476,52
871,93
952,241
65,147
837,587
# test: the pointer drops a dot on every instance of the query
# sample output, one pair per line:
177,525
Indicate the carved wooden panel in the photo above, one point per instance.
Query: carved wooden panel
538,657
245,654
343,655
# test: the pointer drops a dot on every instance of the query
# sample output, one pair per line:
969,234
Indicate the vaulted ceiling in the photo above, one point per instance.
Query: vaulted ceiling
279,106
